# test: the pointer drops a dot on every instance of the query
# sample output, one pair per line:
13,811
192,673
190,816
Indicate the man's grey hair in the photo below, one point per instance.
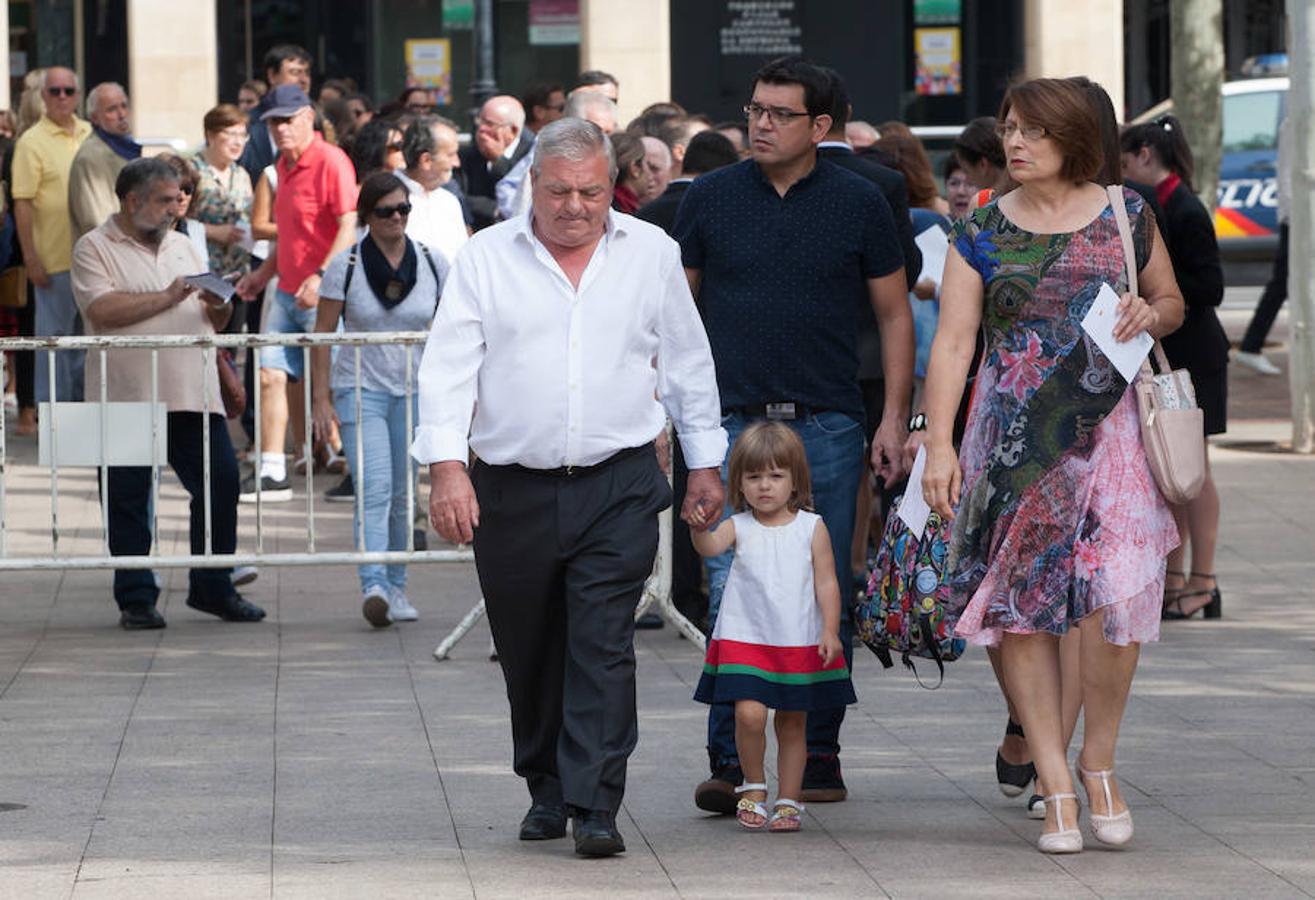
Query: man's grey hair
508,108
140,175
95,94
573,139
581,103
77,79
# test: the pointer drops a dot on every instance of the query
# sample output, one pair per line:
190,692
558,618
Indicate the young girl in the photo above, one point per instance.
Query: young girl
776,643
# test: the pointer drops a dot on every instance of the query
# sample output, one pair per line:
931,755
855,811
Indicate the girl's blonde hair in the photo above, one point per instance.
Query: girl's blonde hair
31,105
768,445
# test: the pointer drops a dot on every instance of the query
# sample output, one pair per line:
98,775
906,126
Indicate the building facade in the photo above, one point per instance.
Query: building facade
926,62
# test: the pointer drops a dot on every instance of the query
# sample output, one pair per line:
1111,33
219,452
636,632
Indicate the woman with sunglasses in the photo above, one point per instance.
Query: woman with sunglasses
386,282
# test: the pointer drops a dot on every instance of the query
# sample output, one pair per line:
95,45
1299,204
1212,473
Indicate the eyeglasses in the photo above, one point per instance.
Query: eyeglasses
395,147
387,212
58,91
777,115
1030,133
420,107
489,123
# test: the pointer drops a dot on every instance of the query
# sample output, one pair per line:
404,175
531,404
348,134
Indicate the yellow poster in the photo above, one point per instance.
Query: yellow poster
938,69
429,65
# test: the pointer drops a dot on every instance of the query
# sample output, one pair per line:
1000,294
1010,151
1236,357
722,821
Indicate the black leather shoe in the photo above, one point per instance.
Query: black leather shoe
232,608
140,618
543,823
822,780
595,833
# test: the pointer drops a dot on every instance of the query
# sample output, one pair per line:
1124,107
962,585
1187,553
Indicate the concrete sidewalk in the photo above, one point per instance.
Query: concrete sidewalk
309,756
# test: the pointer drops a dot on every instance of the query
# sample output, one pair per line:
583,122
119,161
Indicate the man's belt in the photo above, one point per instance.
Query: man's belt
581,471
787,410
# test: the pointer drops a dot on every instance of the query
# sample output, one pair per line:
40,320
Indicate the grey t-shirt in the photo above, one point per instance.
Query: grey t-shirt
383,367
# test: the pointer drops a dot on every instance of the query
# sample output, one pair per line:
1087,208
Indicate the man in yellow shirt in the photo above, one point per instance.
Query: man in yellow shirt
42,159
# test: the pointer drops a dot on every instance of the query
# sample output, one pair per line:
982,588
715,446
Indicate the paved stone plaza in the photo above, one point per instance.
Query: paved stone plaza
309,756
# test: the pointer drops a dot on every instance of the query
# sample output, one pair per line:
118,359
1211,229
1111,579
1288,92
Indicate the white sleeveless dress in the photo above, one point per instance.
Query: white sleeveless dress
764,645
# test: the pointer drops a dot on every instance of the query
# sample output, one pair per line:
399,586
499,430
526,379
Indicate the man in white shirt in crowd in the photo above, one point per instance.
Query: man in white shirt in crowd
430,147
539,361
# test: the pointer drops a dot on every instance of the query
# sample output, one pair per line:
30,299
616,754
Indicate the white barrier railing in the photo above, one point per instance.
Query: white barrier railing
657,589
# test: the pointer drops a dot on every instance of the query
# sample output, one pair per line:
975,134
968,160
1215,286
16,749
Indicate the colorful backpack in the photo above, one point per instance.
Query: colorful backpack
903,610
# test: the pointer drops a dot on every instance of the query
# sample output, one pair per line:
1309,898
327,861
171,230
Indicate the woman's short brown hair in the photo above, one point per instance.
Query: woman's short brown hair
769,445
1063,109
225,115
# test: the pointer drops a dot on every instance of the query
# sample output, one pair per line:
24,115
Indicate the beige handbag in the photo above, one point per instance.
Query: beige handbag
1172,426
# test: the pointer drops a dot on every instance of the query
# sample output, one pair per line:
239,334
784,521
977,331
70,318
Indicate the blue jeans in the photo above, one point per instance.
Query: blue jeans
57,316
381,477
833,443
286,317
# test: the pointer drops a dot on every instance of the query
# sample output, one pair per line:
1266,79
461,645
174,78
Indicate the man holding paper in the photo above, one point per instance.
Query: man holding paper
1058,521
130,277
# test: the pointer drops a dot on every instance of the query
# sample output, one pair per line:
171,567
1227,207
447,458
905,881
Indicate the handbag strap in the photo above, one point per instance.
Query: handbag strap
1120,207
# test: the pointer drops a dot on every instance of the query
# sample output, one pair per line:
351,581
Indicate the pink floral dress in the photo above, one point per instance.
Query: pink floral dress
1059,514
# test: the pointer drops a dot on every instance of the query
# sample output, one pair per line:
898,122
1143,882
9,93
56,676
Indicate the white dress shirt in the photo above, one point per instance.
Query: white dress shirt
436,220
524,368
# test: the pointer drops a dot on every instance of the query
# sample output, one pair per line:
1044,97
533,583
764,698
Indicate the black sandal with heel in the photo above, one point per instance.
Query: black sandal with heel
1213,609
1013,777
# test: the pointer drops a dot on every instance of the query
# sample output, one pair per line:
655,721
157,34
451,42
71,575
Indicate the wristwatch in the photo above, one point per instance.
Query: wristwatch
918,422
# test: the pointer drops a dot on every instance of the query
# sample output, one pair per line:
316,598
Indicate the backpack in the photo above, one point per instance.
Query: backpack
351,267
903,609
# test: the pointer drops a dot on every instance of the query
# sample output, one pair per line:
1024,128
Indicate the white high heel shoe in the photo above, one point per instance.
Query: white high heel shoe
1064,840
1114,831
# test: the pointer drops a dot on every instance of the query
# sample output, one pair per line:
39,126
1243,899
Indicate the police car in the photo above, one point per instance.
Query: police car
1246,216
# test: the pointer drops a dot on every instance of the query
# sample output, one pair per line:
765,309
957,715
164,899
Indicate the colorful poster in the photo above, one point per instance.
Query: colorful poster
458,15
429,65
554,22
936,12
938,71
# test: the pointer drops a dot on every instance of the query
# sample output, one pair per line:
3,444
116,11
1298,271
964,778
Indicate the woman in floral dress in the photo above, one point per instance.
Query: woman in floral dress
1058,522
223,197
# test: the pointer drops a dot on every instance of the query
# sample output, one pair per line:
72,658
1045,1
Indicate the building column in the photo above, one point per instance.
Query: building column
4,82
1076,37
631,39
173,67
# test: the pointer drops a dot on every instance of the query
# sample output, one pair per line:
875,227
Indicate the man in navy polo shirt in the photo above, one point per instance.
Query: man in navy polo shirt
782,251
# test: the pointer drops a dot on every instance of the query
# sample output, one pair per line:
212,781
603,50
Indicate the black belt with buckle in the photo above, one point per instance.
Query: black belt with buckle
786,410
579,471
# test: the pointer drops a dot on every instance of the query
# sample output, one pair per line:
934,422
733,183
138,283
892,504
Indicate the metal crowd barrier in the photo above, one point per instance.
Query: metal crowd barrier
657,590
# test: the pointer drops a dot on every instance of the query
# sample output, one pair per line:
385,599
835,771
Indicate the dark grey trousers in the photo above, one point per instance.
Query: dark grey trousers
562,562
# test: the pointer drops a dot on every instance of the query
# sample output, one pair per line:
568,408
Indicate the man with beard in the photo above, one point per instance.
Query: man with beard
128,279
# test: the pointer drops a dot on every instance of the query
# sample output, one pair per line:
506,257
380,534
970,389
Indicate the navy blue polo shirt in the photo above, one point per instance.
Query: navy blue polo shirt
784,279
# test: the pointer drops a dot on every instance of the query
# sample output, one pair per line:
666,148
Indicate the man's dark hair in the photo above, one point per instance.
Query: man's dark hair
277,55
138,176
677,131
596,76
797,70
839,100
364,100
978,141
707,151
538,94
370,146
419,137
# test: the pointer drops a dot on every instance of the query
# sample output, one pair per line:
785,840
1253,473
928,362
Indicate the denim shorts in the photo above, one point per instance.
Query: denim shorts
286,317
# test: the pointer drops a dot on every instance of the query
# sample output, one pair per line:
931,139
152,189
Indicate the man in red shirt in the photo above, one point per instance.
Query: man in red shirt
315,212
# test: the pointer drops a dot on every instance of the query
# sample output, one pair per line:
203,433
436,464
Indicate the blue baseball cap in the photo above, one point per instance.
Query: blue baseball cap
284,101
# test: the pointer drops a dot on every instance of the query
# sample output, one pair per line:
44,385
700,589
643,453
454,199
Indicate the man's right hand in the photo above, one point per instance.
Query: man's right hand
36,273
453,509
251,284
177,291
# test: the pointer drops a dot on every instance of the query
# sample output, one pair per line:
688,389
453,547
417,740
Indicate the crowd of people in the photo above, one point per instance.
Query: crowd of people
773,303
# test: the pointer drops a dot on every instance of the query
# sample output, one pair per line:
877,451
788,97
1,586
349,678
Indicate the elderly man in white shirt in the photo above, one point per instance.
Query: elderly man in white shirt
430,147
561,337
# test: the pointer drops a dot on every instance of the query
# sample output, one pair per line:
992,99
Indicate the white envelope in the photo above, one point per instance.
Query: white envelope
913,508
1127,356
934,246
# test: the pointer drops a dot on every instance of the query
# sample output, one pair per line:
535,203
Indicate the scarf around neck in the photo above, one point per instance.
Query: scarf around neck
390,286
123,145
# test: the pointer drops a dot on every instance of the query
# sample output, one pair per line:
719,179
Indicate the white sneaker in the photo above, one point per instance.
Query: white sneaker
1256,362
400,608
375,607
244,575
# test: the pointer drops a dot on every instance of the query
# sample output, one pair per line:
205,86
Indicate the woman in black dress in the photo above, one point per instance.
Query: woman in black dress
1156,153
